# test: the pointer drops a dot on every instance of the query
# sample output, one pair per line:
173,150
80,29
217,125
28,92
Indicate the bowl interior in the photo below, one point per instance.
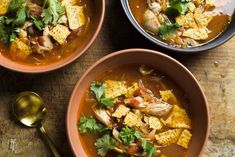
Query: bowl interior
164,64
97,16
228,33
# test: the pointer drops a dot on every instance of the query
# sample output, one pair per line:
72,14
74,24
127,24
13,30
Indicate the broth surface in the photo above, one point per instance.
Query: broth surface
217,25
59,52
131,74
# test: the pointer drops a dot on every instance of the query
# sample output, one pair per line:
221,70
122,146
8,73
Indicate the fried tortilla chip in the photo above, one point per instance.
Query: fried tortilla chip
121,111
184,138
60,33
168,137
178,118
115,88
196,33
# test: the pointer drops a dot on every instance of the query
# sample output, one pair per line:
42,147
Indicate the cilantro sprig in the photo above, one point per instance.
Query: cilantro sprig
105,144
99,91
52,11
167,29
178,6
10,23
129,135
89,125
148,147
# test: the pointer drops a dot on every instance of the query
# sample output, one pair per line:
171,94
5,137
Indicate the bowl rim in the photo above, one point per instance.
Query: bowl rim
55,66
193,50
123,52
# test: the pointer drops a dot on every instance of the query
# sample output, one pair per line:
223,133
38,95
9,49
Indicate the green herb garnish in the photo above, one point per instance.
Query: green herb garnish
105,144
10,23
89,125
148,147
129,135
167,29
37,23
178,6
99,90
52,11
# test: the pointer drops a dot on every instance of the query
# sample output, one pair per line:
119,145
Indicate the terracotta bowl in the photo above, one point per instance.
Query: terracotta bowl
97,18
164,64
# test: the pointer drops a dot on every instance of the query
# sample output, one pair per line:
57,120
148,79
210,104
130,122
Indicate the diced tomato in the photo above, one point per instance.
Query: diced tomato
132,149
135,102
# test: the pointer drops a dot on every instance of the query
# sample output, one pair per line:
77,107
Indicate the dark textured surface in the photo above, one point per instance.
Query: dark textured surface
214,70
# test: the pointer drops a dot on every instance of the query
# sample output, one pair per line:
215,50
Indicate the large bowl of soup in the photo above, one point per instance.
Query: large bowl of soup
137,102
43,35
183,26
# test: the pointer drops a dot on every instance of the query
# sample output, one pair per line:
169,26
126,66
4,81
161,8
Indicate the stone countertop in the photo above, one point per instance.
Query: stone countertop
215,71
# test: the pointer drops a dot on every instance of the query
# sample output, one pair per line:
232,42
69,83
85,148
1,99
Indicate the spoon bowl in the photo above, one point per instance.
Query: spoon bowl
29,109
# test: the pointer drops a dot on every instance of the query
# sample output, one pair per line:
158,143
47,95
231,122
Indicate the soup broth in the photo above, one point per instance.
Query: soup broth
39,53
218,16
154,82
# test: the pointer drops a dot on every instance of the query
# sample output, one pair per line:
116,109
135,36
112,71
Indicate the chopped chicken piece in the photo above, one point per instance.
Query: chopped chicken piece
19,49
46,44
4,4
60,33
186,20
121,111
196,33
153,122
178,118
155,7
168,95
131,90
115,88
150,22
168,137
184,138
203,19
76,16
132,120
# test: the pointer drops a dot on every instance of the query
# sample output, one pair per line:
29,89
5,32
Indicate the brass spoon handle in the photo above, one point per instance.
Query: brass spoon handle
49,142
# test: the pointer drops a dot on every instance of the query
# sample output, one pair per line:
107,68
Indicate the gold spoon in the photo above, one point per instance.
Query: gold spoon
29,109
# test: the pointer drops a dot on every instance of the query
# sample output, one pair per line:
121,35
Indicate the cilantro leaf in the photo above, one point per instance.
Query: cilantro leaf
16,4
129,135
167,29
106,102
7,34
105,144
89,125
99,91
21,16
180,8
37,23
178,1
148,147
52,12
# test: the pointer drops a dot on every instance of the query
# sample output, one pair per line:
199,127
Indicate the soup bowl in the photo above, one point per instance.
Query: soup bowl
169,67
97,17
227,34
